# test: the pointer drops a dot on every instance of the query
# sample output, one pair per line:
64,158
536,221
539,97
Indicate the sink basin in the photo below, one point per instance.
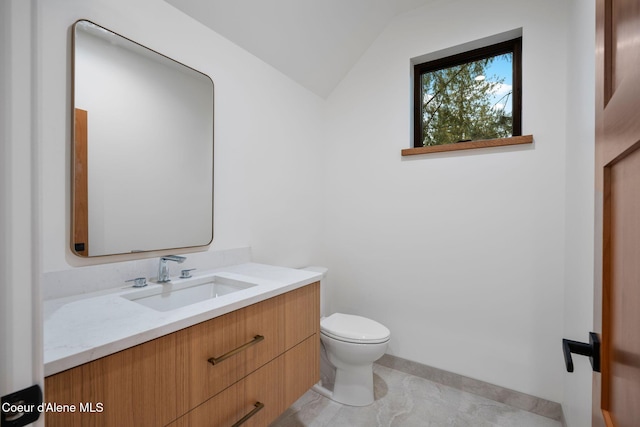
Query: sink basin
185,292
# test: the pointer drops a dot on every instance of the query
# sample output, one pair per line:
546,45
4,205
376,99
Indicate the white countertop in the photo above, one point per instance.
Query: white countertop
86,327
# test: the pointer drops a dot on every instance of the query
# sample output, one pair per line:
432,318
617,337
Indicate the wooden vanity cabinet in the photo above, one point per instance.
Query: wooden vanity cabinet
267,352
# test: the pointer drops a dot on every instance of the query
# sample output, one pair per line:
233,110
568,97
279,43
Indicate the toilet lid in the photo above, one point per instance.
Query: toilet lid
347,327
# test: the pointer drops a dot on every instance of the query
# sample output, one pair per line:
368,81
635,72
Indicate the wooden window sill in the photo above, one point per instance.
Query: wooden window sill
482,143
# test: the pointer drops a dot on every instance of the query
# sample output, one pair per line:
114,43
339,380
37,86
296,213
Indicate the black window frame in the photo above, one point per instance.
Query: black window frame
513,46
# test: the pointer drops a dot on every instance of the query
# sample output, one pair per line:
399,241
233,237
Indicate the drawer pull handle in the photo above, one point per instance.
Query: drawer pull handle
258,407
255,340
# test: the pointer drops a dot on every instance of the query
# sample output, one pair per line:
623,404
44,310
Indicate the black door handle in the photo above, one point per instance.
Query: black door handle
592,350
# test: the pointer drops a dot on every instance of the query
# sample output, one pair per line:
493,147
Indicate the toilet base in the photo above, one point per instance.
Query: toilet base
353,387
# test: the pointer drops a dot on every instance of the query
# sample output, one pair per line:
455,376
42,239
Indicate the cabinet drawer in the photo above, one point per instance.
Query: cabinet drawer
263,395
241,342
134,387
215,354
299,315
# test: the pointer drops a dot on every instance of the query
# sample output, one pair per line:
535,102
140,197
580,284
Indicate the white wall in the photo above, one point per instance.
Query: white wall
267,129
460,254
579,213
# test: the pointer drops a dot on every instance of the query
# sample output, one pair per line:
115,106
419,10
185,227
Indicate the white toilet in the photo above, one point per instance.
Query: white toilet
352,344
349,346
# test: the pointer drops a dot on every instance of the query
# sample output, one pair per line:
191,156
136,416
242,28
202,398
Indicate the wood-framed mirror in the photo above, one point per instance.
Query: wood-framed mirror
142,167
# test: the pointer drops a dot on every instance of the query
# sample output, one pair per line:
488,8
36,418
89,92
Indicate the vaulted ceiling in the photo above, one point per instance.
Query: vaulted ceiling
314,42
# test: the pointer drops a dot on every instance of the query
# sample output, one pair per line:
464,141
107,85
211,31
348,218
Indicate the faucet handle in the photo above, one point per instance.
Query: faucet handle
177,258
185,274
138,282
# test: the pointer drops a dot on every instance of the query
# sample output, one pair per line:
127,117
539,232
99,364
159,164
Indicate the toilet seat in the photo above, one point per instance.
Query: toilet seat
354,329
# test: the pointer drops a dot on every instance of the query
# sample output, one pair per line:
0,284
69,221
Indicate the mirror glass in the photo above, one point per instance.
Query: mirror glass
142,169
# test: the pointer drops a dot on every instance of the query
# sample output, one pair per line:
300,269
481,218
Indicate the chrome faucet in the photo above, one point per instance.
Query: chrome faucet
163,267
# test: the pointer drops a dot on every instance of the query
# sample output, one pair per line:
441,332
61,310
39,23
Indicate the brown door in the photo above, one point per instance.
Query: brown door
617,296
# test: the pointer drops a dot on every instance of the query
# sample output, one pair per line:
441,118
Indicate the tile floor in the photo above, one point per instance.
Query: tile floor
405,400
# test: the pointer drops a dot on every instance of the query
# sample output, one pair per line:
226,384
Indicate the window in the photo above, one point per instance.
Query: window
475,95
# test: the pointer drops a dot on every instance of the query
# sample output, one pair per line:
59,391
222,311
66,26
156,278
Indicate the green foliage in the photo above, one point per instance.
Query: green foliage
457,107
